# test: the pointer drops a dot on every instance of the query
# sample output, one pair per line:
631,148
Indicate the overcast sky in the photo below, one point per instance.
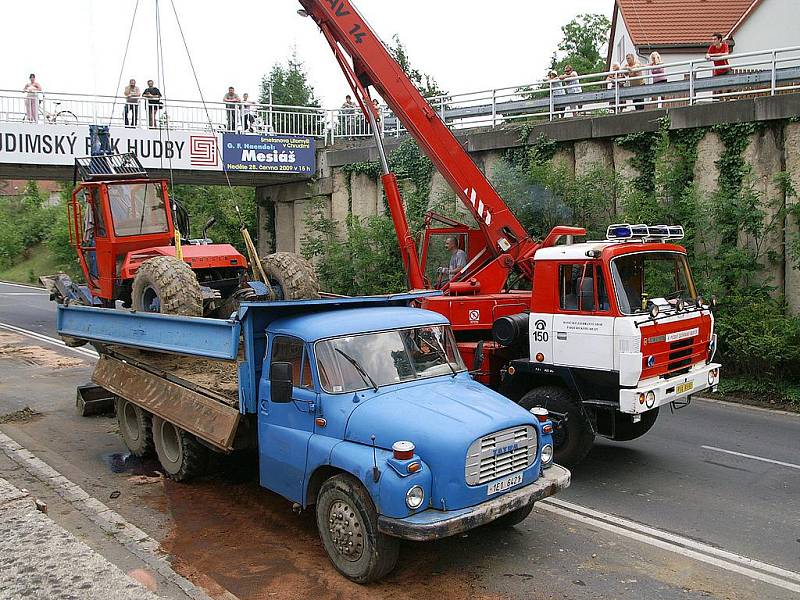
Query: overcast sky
78,46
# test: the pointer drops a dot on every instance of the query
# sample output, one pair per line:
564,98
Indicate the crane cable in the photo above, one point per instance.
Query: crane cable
161,78
122,66
248,241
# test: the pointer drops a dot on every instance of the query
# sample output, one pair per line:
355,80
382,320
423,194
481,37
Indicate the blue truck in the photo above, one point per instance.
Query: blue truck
359,407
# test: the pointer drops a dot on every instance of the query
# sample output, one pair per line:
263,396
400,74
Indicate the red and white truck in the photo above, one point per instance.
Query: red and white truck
600,333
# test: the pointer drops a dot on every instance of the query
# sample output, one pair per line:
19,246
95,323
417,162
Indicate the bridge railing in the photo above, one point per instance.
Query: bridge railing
690,82
762,73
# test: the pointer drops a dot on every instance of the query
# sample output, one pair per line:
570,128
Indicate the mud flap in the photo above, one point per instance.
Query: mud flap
208,419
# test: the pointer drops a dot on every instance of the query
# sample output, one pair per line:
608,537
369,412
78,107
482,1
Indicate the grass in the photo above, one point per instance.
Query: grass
39,261
780,393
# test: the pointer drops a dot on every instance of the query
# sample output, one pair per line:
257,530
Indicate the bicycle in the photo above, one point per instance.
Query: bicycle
57,117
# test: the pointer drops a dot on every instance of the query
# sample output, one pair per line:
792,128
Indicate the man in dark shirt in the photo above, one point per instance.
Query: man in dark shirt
153,95
232,101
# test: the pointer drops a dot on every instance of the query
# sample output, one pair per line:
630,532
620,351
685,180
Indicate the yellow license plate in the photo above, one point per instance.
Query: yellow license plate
684,387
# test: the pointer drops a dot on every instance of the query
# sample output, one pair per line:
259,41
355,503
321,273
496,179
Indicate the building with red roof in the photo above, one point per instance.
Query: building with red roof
682,29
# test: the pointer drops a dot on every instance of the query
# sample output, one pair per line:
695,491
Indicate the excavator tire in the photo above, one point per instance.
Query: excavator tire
292,275
167,285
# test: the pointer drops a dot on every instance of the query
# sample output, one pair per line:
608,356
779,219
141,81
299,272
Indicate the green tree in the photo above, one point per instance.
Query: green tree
582,43
425,83
289,83
206,201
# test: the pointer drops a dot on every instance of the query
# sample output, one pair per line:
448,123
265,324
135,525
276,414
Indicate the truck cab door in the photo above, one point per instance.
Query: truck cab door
583,326
284,428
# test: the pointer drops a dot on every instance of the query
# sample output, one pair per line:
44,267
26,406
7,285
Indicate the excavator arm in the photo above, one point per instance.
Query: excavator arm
507,242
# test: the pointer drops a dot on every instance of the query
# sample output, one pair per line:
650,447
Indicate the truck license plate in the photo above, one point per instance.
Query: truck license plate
503,484
684,387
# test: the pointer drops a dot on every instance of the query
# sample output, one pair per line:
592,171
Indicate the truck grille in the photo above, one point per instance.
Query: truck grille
500,453
680,357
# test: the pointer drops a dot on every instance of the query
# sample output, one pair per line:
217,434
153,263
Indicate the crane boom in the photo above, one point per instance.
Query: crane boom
373,65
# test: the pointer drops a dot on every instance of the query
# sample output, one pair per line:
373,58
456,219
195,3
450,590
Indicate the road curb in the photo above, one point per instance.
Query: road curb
772,411
133,539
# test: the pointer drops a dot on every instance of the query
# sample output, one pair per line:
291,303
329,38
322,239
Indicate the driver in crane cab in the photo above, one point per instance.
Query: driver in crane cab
458,258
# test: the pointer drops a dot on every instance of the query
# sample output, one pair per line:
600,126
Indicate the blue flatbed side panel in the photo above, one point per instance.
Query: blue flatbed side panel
195,336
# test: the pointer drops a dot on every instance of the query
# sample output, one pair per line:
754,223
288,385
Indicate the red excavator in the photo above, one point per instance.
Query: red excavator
611,331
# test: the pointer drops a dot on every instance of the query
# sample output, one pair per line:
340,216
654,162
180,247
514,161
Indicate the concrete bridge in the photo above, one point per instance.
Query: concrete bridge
48,151
584,143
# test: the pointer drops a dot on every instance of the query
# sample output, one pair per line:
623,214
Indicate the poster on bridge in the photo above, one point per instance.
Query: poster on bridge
59,145
268,153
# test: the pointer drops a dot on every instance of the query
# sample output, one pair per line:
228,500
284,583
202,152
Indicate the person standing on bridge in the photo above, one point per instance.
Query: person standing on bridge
231,100
572,84
556,92
153,95
32,89
635,78
132,95
718,52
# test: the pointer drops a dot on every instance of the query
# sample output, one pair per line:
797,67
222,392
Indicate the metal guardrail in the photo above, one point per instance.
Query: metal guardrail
767,72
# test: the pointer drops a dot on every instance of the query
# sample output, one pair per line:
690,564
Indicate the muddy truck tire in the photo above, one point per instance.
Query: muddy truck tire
626,430
348,526
135,427
167,285
573,438
292,276
513,518
181,456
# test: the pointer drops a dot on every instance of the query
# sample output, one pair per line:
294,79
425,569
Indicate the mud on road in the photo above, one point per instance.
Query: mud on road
247,540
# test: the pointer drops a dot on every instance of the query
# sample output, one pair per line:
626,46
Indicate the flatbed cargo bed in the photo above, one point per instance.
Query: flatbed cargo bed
212,377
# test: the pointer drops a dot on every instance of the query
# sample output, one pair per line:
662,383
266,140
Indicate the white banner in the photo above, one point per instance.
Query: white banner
45,144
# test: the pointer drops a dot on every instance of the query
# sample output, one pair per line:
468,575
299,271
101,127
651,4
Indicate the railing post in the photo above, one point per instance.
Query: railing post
552,100
774,74
691,83
441,109
494,108
616,95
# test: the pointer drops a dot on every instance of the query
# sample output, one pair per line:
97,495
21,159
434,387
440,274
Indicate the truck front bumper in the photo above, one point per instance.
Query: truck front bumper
435,524
667,390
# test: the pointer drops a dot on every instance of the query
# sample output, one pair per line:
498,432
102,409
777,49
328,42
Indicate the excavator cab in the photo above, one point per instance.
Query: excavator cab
112,214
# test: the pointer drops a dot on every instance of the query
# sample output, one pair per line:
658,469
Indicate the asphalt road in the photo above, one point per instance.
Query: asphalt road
650,518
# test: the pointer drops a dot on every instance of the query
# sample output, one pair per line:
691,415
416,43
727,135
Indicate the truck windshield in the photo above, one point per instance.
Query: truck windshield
386,358
656,274
137,208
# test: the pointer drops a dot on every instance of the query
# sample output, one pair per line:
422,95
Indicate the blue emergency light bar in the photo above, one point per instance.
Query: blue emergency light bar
623,232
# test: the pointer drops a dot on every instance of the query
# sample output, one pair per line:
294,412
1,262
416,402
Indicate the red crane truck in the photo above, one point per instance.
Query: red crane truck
611,331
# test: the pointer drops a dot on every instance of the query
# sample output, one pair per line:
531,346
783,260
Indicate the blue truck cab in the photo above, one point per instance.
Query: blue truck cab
359,407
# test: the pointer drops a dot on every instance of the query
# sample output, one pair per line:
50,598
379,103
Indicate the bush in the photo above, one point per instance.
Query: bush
756,338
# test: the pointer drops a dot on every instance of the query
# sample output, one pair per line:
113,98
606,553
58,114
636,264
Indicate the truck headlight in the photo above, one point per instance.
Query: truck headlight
650,399
712,376
414,497
547,455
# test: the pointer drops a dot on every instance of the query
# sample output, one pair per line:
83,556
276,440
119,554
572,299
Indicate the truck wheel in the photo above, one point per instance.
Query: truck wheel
575,437
179,453
626,430
348,527
292,276
135,427
166,285
513,518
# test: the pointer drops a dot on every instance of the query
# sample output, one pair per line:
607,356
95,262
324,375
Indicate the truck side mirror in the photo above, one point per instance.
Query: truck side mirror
280,379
